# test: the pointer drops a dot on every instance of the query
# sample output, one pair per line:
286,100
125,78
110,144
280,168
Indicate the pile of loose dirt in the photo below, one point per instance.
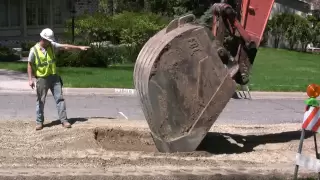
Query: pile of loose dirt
121,149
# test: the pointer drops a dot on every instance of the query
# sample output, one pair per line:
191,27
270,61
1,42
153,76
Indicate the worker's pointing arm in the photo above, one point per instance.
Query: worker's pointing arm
70,47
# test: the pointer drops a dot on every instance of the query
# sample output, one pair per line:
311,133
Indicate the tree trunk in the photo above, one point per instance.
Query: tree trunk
276,41
304,46
115,7
291,44
110,7
147,5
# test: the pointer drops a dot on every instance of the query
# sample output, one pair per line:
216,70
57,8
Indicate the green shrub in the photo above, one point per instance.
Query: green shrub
127,27
137,28
90,58
97,27
27,45
127,32
25,53
100,56
7,54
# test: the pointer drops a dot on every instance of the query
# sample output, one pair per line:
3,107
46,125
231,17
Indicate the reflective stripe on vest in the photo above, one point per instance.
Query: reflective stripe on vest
45,64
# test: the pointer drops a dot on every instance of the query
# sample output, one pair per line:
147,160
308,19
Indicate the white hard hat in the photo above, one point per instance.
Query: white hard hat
47,34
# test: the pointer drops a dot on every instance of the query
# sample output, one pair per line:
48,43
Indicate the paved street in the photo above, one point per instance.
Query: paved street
16,106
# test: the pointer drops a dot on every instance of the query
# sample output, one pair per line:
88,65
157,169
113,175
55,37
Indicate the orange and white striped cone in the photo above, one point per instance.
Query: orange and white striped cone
311,120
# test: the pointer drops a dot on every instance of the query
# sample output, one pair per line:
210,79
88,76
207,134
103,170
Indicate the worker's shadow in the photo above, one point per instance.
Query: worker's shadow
70,120
224,143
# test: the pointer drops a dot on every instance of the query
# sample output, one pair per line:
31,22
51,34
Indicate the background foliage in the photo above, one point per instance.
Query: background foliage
118,38
120,28
295,29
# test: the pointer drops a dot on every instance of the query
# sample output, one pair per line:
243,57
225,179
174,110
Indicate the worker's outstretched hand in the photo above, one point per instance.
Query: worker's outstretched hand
84,48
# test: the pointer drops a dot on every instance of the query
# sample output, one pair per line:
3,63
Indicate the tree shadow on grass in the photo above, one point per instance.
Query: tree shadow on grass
122,67
71,121
224,143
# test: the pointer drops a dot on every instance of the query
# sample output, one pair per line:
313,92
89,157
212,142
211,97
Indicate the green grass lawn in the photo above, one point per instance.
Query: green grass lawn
116,76
113,77
283,70
274,70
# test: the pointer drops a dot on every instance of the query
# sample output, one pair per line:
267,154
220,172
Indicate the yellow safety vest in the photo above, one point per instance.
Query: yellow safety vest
45,65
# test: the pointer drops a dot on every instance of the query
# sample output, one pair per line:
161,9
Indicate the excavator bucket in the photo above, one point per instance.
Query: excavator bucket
182,85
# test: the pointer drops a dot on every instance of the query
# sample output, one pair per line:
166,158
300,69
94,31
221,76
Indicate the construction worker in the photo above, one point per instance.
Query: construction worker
41,64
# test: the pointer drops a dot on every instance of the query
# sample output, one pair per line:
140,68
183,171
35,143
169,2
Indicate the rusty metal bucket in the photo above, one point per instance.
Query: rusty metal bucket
182,85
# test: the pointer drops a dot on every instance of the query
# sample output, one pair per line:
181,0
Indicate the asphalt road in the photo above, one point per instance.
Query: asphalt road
237,111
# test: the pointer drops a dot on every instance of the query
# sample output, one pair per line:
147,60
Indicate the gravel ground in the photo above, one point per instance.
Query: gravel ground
122,149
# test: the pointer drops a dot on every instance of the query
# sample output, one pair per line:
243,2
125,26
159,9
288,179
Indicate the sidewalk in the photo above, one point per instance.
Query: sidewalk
12,82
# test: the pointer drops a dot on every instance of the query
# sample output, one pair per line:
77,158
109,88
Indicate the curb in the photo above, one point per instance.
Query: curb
76,91
279,95
132,92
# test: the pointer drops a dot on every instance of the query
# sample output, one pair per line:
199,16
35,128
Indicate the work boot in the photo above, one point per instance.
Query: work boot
39,127
66,124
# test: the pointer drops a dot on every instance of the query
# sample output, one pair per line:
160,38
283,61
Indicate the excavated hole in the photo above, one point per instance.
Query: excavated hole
116,139
122,140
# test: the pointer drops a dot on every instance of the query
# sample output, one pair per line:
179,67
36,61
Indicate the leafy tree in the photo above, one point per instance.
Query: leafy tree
113,7
294,26
304,32
276,28
207,18
315,28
